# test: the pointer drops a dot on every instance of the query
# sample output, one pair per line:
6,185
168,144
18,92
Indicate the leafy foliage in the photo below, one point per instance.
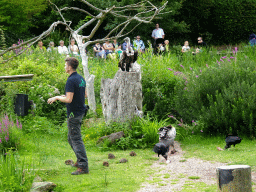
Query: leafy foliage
49,80
16,16
220,96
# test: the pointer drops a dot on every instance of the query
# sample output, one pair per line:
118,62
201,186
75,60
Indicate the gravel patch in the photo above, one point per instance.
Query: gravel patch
172,177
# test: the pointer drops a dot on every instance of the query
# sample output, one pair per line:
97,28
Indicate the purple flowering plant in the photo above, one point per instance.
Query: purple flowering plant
10,133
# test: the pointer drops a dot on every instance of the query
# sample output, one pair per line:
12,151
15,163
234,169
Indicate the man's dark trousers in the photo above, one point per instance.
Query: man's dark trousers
76,142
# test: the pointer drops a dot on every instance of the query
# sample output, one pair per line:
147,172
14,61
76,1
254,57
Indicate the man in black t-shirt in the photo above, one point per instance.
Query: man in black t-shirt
75,102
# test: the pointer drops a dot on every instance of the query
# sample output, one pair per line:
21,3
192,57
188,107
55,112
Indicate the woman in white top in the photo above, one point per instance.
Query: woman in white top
186,47
72,48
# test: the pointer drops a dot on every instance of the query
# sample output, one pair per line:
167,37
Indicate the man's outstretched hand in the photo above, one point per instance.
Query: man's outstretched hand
51,100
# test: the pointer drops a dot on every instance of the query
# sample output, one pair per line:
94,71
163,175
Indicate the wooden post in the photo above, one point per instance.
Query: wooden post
234,178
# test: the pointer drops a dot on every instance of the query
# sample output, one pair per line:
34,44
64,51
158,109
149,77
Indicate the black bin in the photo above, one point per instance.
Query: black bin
21,104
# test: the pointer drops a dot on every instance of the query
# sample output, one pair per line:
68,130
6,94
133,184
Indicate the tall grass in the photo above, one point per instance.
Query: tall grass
14,176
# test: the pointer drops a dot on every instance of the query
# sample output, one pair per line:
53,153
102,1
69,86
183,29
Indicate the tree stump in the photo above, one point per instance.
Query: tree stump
121,97
234,178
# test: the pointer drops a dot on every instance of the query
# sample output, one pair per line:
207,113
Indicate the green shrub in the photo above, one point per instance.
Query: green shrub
220,96
138,133
49,80
40,125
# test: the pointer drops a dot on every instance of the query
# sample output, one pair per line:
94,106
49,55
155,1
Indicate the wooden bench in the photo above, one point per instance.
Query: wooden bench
13,78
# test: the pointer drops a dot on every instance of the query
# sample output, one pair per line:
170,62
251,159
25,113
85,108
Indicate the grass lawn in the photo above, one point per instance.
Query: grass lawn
49,153
206,148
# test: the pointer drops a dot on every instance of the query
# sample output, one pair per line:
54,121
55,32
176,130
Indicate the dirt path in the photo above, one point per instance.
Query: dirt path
179,171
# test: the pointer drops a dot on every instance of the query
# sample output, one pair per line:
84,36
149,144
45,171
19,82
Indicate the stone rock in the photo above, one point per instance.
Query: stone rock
132,153
69,162
37,179
42,186
115,136
111,156
112,137
105,163
123,160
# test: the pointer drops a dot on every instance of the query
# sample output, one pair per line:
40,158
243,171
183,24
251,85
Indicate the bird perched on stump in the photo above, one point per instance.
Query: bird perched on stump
128,57
232,140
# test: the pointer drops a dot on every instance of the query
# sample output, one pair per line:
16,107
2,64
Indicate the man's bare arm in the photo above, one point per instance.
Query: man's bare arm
63,98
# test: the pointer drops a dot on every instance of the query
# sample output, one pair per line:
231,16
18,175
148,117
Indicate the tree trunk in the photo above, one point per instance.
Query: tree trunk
234,178
121,97
88,78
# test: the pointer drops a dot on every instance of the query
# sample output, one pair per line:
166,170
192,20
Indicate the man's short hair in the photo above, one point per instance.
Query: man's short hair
61,41
73,62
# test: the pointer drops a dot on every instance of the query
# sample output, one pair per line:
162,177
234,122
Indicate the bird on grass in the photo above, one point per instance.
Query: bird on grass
161,149
166,141
232,140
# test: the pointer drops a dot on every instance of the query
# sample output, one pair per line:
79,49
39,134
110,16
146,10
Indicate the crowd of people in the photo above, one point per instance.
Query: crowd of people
113,49
159,45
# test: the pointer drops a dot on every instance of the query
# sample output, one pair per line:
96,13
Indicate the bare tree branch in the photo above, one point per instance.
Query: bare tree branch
33,40
132,5
59,11
77,9
90,5
85,25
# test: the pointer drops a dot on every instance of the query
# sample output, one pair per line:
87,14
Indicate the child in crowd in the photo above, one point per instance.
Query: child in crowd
72,48
186,47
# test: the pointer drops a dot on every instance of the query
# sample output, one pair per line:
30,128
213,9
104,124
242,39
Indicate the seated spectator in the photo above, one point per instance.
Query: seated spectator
99,51
201,44
40,46
117,47
51,47
139,45
166,44
109,49
160,46
62,49
252,39
186,47
72,48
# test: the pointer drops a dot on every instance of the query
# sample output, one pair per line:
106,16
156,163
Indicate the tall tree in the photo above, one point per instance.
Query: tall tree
132,15
16,16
